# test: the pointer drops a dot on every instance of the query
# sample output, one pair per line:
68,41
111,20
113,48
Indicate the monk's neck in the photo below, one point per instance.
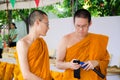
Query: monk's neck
79,37
32,36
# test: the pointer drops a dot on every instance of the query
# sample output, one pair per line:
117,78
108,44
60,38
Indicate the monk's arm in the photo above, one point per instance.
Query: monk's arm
22,50
60,59
90,64
103,64
102,59
61,53
105,57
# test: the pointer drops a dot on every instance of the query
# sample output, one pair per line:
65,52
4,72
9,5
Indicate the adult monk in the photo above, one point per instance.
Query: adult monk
32,50
81,45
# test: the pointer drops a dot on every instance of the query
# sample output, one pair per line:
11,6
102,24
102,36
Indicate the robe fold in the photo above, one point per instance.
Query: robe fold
9,72
6,71
38,60
2,70
93,47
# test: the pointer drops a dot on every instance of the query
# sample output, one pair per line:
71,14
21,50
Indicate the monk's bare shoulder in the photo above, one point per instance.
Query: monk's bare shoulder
23,42
23,45
63,42
67,37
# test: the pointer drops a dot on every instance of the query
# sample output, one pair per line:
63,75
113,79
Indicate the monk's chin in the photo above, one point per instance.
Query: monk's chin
43,35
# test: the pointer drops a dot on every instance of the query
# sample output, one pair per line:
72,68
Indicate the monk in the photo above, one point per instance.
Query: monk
86,47
32,51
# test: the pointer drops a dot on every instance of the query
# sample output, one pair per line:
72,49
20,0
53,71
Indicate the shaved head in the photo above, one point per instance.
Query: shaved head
36,14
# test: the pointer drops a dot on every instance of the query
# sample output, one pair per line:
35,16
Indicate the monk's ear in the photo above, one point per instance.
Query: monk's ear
90,23
37,22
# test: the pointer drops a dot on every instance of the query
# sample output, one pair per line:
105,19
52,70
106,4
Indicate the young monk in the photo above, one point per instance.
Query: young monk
32,50
86,47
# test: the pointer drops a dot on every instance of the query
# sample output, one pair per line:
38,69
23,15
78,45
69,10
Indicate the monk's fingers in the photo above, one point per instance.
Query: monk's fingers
90,63
73,60
94,63
87,65
74,65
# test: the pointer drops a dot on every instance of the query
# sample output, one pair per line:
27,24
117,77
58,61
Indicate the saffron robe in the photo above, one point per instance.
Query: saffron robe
38,60
93,47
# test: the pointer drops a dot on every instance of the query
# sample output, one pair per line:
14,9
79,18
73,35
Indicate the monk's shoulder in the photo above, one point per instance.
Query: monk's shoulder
68,36
98,36
23,42
65,39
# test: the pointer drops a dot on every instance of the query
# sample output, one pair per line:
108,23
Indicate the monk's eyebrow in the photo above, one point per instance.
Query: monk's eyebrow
81,25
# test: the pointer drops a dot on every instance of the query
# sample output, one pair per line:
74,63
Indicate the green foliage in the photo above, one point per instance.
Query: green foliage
5,37
67,9
3,17
96,7
60,9
105,7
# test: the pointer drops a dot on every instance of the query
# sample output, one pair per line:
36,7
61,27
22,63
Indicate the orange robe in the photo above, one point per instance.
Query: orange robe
93,47
38,60
2,70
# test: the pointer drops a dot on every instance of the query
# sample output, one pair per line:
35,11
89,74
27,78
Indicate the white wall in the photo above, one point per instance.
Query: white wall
105,25
21,28
113,77
109,26
58,28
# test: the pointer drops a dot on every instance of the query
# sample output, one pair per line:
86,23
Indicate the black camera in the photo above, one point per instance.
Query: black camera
77,71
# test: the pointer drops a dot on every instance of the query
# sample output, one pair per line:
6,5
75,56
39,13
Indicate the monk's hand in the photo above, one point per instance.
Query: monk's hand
74,66
90,64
